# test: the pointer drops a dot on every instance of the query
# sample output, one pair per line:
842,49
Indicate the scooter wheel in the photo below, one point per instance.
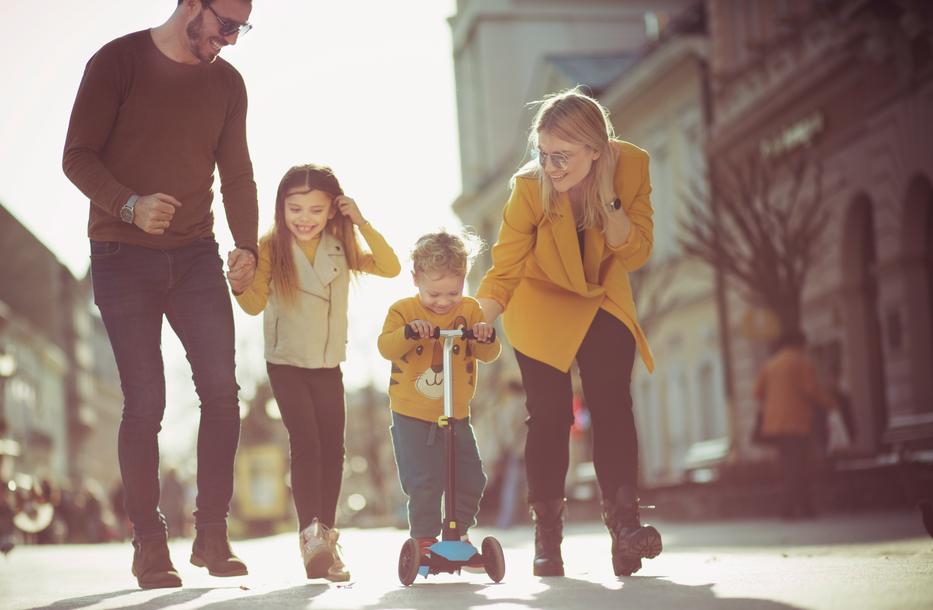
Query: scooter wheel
409,560
493,559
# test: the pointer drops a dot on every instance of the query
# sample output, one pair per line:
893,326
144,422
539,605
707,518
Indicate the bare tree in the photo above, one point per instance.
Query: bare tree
760,230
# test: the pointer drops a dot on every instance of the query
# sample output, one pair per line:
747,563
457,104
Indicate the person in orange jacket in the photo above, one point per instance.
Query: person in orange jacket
790,392
578,221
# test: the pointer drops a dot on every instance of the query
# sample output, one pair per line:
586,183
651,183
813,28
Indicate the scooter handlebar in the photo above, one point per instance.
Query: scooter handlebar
465,333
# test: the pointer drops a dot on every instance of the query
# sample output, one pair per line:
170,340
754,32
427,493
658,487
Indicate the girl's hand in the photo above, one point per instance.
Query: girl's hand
242,268
348,208
424,328
482,332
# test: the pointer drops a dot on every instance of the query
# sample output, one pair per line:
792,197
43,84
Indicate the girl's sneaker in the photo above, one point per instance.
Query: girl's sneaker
337,572
315,551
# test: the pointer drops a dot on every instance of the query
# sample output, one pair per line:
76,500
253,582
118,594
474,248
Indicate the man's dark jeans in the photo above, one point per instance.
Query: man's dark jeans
133,288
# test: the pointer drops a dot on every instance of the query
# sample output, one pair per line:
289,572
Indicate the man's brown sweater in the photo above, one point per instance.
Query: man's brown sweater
144,124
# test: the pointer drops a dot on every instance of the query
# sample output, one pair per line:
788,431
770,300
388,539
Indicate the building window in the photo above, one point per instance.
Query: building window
707,406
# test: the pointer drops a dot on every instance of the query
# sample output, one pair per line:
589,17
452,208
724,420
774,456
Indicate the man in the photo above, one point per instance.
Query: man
155,113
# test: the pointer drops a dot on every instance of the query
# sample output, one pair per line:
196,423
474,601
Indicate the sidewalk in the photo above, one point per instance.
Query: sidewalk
870,561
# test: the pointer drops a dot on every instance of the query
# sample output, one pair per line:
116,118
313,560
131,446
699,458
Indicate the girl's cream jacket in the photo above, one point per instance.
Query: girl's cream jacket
312,331
549,295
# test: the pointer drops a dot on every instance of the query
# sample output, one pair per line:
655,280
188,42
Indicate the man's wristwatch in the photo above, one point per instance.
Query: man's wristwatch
127,212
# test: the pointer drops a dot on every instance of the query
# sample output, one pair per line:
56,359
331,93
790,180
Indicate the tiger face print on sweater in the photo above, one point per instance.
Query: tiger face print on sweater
423,366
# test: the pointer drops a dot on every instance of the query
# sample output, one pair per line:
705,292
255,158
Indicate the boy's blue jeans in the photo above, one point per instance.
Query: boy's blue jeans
134,287
421,457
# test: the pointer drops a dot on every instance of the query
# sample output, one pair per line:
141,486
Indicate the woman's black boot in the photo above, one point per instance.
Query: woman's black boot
549,532
631,541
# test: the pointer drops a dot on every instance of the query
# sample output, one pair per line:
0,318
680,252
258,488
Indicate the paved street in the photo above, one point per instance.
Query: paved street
868,561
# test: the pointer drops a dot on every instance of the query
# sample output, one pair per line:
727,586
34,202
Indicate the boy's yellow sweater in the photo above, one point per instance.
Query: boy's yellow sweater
416,387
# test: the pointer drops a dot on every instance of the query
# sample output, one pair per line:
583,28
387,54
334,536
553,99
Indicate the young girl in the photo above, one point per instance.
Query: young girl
302,282
416,386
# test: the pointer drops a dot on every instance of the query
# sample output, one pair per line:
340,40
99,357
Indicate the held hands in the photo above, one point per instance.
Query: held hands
153,213
348,208
242,267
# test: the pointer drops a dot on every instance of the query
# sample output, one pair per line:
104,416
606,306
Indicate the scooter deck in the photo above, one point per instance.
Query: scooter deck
450,556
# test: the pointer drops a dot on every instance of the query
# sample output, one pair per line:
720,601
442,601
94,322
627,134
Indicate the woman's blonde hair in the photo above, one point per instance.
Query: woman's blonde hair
573,116
444,253
307,178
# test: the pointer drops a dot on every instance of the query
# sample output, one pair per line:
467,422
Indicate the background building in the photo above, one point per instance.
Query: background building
62,402
843,86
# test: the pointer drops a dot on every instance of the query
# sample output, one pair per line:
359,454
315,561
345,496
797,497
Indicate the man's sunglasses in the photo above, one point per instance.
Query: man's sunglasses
228,27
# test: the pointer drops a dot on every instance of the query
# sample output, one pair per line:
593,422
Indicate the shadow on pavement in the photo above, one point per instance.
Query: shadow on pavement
562,593
293,597
280,598
177,596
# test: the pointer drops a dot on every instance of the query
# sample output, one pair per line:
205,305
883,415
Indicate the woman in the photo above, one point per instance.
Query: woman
577,222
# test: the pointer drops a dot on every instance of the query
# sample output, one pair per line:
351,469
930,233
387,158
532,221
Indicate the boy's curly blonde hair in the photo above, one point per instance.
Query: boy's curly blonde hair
444,253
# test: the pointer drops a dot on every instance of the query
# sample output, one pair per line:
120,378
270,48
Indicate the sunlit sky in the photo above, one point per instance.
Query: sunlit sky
365,86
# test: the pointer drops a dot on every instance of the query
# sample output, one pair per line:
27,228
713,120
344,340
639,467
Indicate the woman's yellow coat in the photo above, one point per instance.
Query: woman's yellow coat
549,296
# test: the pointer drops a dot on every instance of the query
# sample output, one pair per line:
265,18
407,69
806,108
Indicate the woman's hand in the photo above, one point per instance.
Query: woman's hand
491,309
618,226
483,332
348,208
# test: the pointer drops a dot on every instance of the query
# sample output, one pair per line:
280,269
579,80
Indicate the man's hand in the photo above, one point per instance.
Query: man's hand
241,264
153,213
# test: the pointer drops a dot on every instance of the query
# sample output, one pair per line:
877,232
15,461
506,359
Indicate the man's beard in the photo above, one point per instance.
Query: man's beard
193,30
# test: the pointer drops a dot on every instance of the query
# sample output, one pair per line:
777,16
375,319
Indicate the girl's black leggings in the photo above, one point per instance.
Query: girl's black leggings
312,405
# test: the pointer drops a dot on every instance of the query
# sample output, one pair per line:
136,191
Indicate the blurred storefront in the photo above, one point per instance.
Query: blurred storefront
60,399
848,86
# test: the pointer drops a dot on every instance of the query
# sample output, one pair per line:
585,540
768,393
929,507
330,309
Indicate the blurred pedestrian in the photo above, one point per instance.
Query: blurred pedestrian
123,526
578,221
172,503
511,429
790,395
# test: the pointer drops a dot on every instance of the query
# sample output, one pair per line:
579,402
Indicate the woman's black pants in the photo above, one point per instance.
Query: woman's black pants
605,361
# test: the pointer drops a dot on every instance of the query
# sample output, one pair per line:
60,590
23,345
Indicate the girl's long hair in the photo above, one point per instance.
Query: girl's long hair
573,116
306,178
